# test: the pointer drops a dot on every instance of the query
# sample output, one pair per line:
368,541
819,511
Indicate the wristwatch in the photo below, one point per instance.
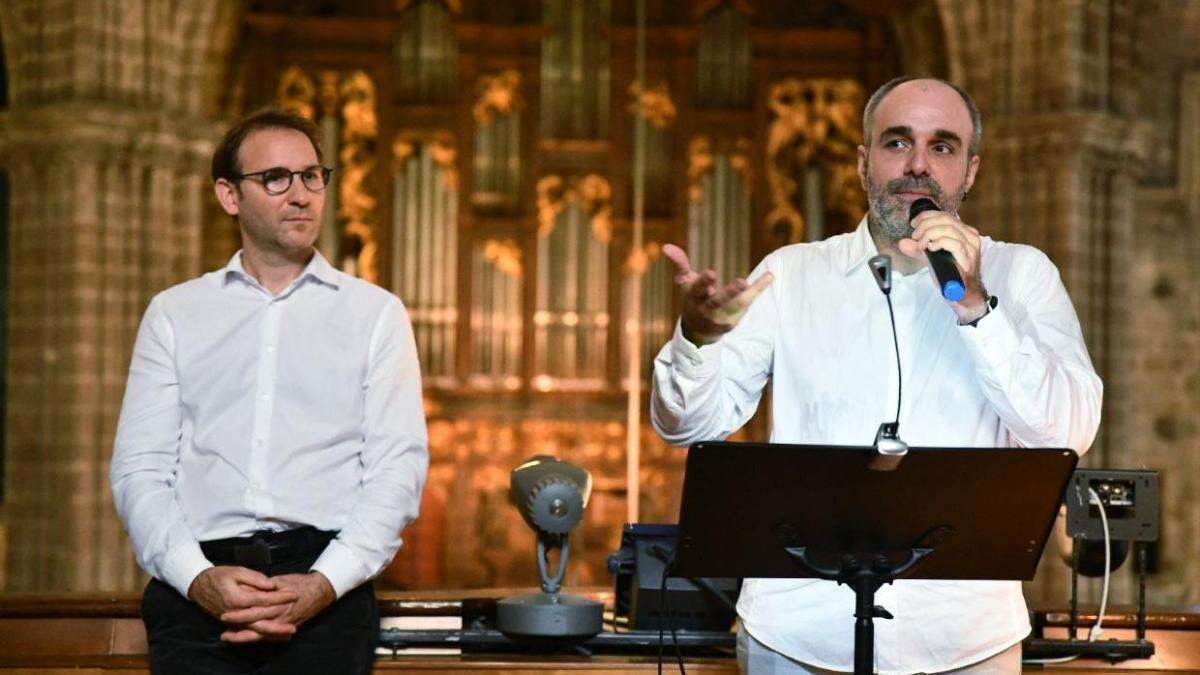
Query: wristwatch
988,305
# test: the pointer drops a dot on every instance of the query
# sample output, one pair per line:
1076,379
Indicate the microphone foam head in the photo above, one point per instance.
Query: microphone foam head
921,206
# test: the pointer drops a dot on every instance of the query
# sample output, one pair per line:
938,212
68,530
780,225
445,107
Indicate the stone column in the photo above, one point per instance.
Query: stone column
106,142
1062,155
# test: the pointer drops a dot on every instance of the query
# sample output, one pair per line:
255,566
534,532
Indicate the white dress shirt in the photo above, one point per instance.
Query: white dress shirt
246,411
821,333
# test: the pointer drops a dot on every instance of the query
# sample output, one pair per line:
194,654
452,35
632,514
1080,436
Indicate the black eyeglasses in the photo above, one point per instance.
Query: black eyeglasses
278,180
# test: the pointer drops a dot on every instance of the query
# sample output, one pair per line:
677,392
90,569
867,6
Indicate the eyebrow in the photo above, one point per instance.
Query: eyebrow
283,168
940,134
945,135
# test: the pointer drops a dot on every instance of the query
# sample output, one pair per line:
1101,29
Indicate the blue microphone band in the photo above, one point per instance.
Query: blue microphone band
953,291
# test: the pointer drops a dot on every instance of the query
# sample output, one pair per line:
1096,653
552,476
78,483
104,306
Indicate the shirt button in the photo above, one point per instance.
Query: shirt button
266,397
270,349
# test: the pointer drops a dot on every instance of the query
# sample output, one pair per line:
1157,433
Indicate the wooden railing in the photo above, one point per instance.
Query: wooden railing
104,634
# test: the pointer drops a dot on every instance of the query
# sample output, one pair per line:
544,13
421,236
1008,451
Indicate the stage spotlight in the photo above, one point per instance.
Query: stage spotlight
551,496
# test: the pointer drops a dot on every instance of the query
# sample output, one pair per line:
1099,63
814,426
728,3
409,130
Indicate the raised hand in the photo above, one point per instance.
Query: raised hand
710,309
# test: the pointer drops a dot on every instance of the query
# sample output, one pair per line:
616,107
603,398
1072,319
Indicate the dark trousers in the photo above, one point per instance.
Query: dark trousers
186,640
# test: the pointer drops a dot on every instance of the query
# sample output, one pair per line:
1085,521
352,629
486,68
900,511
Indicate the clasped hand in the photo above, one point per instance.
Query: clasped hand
710,309
256,607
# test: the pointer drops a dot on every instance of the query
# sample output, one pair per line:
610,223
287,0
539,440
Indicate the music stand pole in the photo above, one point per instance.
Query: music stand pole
865,580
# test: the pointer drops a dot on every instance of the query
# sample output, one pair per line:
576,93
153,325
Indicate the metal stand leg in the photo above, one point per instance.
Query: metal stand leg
865,584
1141,616
1075,556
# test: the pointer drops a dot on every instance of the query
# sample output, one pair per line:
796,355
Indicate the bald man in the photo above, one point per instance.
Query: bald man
1004,366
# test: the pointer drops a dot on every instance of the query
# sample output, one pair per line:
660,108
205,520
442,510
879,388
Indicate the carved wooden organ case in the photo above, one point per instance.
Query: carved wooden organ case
483,163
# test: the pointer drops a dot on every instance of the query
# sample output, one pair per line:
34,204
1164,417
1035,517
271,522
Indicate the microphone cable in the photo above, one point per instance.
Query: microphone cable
896,344
668,560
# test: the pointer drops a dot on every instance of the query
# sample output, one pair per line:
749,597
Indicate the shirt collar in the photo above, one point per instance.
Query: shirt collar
318,268
860,248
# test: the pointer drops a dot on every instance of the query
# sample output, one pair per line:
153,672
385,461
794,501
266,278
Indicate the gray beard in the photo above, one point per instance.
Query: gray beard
887,214
888,218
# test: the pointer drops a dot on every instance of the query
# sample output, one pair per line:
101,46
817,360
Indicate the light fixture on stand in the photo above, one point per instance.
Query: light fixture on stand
551,496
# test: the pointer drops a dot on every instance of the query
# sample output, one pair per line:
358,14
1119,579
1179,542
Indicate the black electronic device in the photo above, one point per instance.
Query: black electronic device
1108,510
706,604
1130,500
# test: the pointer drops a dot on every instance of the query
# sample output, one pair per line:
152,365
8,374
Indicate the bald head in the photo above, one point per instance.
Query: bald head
955,103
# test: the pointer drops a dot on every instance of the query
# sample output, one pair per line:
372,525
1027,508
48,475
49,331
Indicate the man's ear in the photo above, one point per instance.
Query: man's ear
862,166
227,195
972,169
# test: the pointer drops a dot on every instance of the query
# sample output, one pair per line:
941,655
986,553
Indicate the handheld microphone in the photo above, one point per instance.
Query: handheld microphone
942,262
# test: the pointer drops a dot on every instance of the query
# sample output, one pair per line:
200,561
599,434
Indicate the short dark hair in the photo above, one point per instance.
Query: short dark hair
225,158
873,103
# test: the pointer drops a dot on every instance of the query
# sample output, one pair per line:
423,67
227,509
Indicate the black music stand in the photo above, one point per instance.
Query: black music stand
810,511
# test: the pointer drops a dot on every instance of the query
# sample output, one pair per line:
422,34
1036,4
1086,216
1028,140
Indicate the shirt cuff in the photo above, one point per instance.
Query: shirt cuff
993,341
691,361
182,565
342,567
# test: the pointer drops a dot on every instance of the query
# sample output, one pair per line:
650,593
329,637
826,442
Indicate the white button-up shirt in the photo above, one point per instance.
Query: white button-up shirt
246,411
821,333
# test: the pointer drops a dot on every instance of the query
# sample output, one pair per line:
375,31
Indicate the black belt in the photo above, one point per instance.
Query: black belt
267,547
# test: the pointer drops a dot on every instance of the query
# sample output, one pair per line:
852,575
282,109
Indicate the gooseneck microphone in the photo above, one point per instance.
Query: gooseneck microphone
942,262
888,448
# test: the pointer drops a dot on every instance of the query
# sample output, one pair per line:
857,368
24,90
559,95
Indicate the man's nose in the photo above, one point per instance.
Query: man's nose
918,163
299,194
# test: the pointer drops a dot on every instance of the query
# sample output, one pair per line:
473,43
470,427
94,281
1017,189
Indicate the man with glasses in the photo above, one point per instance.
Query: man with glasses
272,441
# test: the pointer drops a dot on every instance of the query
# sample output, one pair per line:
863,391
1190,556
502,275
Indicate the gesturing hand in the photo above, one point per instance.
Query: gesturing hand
709,309
226,589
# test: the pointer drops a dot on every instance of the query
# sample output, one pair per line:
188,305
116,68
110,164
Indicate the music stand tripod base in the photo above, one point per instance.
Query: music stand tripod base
864,578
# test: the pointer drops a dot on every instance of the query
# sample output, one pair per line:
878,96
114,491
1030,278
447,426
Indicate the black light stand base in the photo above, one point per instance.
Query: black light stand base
1108,650
488,640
